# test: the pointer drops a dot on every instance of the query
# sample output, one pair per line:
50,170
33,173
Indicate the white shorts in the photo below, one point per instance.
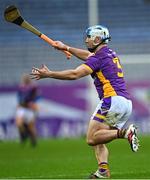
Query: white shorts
115,111
26,114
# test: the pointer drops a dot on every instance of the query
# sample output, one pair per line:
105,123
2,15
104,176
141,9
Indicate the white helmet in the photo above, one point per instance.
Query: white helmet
98,31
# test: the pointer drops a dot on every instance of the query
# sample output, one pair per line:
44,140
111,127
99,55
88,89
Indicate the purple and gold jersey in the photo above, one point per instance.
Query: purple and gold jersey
27,94
107,73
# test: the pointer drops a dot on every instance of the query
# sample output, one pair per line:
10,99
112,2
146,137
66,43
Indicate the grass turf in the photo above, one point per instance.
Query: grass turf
71,159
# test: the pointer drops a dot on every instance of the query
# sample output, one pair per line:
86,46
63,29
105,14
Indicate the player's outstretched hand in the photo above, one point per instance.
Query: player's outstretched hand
40,73
60,46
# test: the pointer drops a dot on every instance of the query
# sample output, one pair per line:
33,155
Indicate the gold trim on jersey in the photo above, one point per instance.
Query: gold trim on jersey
88,67
100,116
107,87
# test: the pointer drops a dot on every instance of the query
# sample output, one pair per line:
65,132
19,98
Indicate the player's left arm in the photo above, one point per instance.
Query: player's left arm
71,74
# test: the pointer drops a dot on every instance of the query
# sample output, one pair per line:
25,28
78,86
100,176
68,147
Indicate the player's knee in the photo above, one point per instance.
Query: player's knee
90,141
19,123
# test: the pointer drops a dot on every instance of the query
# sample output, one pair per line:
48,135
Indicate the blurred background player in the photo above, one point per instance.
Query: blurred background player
27,110
115,106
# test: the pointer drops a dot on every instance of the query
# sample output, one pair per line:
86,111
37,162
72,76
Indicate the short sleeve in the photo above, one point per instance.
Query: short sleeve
94,63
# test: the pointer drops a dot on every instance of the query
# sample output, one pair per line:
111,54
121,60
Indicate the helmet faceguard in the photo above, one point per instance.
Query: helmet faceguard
98,31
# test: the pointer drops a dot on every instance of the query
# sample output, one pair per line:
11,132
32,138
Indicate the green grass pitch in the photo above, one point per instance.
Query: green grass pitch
71,159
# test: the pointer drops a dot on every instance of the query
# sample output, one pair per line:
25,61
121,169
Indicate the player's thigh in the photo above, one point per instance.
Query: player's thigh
19,121
31,126
19,117
95,126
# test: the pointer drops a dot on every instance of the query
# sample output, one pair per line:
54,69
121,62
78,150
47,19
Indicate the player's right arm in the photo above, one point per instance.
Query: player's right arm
79,53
